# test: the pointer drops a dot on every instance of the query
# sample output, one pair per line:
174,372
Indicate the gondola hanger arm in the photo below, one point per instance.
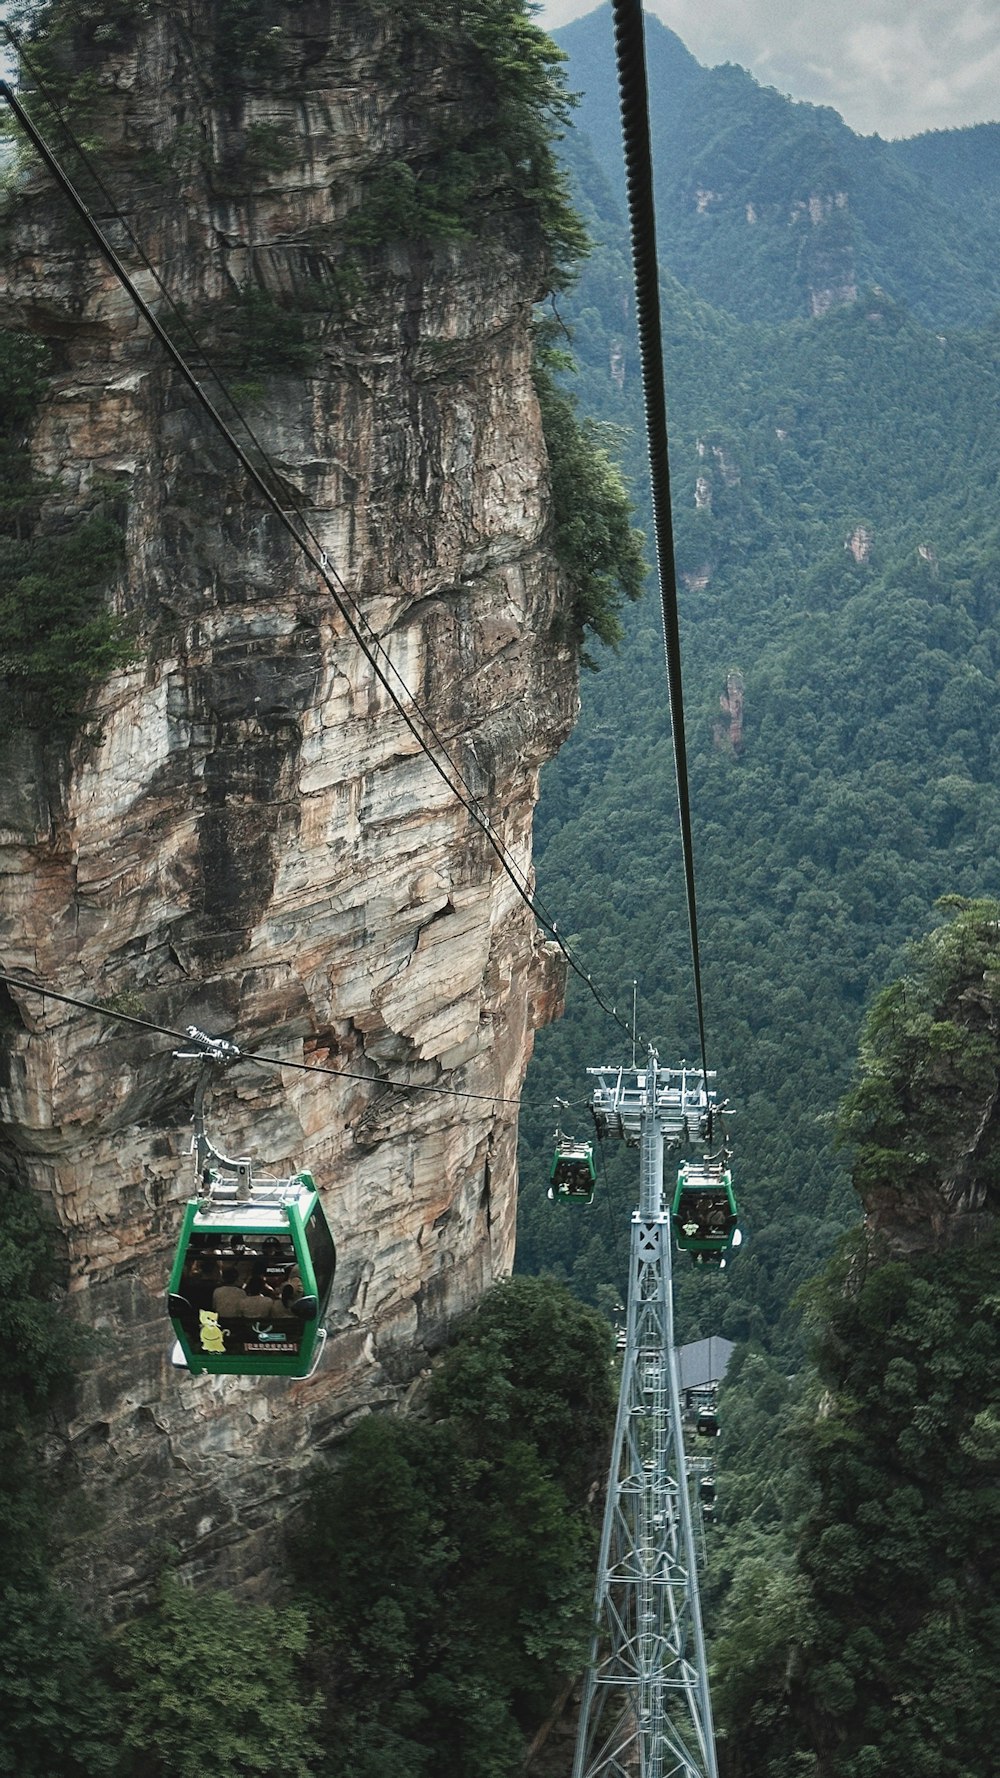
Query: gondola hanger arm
214,1053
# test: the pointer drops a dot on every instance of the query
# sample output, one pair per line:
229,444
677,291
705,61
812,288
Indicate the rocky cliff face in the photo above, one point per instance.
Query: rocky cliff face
251,838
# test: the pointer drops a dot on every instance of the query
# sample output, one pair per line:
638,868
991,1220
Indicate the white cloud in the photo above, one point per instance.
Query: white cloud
896,66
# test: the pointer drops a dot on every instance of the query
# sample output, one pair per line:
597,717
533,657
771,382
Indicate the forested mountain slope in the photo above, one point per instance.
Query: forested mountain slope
834,500
961,165
853,1586
771,208
835,518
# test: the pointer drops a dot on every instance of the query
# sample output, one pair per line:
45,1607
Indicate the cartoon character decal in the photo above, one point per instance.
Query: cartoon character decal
213,1337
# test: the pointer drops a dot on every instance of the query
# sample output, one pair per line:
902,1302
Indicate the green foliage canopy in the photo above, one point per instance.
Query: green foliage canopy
193,1699
446,1573
853,1579
492,153
922,1111
593,535
448,1560
57,636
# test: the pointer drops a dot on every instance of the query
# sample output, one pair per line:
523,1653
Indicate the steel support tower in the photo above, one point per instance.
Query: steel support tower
646,1711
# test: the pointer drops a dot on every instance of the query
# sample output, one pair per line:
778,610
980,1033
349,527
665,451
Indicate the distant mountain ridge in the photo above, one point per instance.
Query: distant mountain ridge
962,166
772,208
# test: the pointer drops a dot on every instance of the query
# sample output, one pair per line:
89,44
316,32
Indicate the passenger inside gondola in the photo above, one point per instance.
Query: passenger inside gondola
233,1305
571,1175
203,1281
282,1310
572,1172
704,1215
230,1298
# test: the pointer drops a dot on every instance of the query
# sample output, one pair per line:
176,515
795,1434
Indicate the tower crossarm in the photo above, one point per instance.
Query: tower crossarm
684,1100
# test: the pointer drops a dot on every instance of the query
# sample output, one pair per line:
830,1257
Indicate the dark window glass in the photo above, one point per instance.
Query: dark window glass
237,1290
321,1252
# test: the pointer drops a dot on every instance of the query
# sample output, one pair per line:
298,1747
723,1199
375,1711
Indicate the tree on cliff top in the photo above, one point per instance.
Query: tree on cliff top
861,1636
924,1112
593,534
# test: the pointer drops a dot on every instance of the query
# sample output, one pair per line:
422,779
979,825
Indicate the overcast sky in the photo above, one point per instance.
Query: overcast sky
895,66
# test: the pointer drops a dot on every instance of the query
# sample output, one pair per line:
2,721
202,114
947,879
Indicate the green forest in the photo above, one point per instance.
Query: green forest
861,787
836,538
834,467
437,1578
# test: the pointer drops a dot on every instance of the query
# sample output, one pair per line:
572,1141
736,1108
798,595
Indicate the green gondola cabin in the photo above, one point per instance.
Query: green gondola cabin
572,1175
704,1212
252,1278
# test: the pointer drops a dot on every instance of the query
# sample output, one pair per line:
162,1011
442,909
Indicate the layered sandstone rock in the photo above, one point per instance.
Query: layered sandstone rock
251,838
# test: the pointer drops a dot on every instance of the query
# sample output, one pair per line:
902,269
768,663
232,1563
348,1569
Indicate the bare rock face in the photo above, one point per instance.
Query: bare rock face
250,837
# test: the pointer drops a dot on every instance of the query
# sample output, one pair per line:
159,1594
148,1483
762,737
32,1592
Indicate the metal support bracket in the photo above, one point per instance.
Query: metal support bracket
213,1167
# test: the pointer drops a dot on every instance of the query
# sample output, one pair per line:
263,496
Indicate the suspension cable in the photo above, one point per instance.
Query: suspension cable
634,100
372,1080
388,1081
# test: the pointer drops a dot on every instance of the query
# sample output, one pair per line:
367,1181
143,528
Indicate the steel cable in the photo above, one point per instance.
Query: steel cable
634,101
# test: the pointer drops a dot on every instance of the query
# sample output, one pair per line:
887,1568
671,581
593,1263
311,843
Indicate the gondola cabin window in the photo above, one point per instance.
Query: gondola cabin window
321,1252
246,1290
